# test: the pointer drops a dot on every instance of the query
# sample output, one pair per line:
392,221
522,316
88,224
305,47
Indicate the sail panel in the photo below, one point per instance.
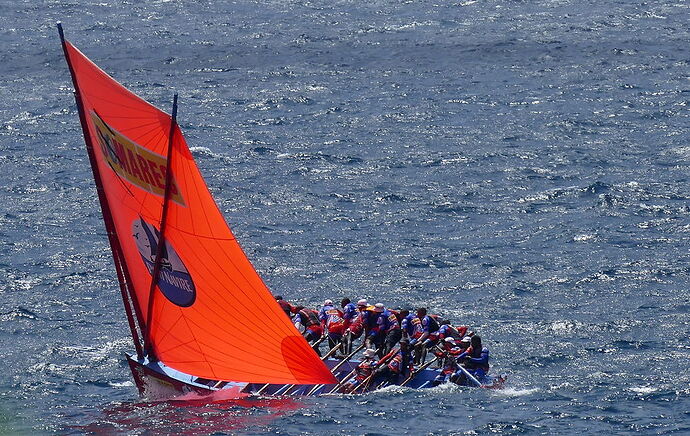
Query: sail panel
212,315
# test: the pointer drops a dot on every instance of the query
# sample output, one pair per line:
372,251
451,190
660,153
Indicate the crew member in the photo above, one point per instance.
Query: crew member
446,330
287,307
349,311
332,320
307,320
448,357
377,333
399,365
393,332
406,323
422,325
475,360
362,372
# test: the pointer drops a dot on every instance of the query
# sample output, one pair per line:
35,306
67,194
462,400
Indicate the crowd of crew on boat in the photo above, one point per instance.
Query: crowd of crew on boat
396,342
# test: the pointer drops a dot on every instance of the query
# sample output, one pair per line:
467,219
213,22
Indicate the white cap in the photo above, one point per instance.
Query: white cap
328,303
378,307
449,339
369,353
466,339
362,302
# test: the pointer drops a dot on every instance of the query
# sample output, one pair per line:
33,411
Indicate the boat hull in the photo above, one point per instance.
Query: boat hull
154,380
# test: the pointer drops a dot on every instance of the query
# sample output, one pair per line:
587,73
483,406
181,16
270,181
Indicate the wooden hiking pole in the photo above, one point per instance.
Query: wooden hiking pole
417,371
469,376
329,354
348,357
336,367
315,344
343,381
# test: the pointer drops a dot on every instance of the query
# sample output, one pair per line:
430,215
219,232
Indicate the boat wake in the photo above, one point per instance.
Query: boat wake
515,392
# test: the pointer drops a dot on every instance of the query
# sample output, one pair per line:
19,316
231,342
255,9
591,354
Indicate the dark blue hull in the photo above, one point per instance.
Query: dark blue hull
155,380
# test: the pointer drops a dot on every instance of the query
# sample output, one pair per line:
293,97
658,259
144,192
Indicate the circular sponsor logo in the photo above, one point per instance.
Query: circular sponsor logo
173,279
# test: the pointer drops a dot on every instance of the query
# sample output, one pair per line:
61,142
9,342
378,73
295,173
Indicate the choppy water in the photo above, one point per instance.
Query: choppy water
518,166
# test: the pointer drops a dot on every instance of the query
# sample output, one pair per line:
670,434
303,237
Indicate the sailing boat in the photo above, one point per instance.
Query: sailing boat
190,294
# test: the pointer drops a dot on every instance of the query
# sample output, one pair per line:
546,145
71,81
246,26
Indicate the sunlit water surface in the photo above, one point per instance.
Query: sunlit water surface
521,167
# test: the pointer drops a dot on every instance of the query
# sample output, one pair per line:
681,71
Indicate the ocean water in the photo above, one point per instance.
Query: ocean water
518,166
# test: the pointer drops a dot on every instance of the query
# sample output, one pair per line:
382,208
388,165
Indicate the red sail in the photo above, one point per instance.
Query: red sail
212,315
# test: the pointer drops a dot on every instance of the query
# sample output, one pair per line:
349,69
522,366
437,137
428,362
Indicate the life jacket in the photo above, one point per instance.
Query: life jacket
309,317
433,323
393,321
334,321
396,363
407,326
356,328
400,363
334,316
398,317
365,369
415,324
483,357
450,364
287,307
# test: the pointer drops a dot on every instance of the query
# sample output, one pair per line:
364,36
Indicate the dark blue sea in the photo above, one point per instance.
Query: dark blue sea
518,166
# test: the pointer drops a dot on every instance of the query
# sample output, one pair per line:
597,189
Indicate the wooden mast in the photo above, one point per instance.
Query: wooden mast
123,277
148,349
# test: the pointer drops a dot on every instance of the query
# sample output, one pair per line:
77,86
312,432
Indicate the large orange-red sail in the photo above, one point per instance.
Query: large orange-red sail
209,302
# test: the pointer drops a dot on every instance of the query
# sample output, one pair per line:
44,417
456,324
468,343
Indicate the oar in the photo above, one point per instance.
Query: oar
318,342
422,368
331,352
315,344
470,376
348,357
418,370
343,381
336,367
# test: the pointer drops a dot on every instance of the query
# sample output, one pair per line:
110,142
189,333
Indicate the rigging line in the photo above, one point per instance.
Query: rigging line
161,238
124,280
261,362
126,92
167,331
199,195
132,109
232,335
239,270
221,291
240,345
230,261
155,134
196,235
154,122
249,284
198,344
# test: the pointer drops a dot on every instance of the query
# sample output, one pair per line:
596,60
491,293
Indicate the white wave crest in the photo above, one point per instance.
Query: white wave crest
515,392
